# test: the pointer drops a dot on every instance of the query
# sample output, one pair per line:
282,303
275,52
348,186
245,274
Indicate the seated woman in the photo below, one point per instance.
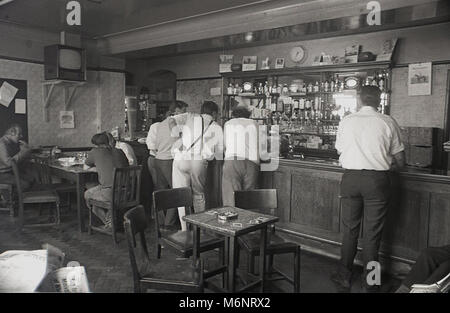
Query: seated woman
432,265
105,159
126,148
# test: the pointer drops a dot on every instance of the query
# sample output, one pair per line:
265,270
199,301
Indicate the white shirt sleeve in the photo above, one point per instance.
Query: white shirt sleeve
151,137
128,151
340,138
396,140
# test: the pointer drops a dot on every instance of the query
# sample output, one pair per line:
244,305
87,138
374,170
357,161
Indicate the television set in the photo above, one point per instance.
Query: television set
64,63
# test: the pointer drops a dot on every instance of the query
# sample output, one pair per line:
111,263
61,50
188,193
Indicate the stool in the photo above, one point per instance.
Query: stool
9,201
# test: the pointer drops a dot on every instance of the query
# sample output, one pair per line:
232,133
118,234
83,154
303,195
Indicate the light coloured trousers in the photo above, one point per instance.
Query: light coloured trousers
190,173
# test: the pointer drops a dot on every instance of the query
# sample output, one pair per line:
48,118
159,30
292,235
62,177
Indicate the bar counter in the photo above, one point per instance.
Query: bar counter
310,213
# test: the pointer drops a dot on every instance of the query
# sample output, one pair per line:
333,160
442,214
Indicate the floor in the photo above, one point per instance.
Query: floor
108,268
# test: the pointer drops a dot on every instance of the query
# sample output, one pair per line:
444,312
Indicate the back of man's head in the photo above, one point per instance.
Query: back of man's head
13,130
100,139
241,112
209,107
370,96
179,106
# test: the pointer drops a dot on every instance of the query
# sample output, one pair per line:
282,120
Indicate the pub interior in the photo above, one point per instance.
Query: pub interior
273,146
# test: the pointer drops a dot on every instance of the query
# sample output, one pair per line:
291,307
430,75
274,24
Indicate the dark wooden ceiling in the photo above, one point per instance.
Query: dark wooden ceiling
103,17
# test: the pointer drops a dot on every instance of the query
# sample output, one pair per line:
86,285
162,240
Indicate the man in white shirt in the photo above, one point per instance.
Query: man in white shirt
370,146
160,162
126,148
201,141
241,166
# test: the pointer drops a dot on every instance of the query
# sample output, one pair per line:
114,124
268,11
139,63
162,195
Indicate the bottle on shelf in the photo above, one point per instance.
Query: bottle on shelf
326,86
332,85
230,89
310,88
316,87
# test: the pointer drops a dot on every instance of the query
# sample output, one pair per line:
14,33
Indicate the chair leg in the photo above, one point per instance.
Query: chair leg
269,263
251,263
297,270
158,250
113,227
90,220
58,214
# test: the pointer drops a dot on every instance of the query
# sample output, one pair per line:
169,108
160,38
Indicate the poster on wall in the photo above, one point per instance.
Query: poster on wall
7,93
66,119
419,79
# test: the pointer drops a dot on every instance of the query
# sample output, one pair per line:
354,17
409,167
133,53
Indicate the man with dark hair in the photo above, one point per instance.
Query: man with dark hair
105,159
369,145
160,161
12,147
241,165
201,141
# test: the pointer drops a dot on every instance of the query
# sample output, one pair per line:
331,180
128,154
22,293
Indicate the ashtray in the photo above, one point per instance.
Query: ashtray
227,216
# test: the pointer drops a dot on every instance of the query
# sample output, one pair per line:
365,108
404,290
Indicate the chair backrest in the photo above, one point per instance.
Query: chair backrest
127,186
261,200
165,199
135,224
42,171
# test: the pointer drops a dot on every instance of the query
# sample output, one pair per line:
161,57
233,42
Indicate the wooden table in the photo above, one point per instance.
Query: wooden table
78,175
208,220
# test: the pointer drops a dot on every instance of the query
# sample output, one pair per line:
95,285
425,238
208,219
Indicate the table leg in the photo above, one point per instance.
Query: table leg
80,202
226,257
196,248
232,264
262,256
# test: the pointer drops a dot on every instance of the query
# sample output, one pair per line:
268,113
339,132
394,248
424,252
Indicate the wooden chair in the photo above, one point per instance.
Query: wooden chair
156,274
265,201
45,181
34,197
182,241
125,195
9,202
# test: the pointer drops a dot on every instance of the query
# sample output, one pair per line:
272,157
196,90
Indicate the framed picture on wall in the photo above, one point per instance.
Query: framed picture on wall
66,119
279,63
249,63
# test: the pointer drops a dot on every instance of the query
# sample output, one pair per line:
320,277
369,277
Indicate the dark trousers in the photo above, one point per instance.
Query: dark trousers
161,172
432,265
238,175
364,194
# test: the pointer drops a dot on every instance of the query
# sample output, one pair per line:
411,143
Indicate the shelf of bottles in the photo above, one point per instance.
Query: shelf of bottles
144,120
307,107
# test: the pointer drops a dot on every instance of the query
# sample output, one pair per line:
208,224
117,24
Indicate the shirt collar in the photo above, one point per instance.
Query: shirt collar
367,109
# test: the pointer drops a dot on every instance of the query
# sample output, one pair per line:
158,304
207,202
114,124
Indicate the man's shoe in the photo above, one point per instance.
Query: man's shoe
342,281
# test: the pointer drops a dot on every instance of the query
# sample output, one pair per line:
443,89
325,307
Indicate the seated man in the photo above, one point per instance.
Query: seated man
432,265
13,148
105,159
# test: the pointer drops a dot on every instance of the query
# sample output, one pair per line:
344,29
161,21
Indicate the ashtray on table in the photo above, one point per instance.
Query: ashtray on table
227,216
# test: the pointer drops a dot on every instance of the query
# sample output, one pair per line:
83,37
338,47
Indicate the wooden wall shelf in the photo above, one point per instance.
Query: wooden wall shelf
69,88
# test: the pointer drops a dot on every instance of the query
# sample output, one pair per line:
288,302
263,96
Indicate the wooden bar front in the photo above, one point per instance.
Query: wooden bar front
309,210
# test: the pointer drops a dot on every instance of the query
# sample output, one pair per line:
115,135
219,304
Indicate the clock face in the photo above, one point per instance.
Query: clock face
298,54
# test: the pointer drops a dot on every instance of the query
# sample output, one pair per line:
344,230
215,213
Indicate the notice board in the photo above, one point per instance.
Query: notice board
16,110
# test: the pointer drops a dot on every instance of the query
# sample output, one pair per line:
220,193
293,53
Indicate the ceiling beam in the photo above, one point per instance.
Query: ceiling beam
261,16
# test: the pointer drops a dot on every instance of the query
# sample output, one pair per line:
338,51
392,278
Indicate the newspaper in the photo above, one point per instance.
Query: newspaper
70,280
40,271
22,271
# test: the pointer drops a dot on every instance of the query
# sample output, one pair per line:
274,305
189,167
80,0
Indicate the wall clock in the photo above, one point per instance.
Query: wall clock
298,54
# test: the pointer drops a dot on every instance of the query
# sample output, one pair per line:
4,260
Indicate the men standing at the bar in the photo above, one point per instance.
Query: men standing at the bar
201,141
160,162
370,146
241,165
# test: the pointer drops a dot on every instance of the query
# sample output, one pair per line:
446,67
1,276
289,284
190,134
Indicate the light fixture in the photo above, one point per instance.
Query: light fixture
248,36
